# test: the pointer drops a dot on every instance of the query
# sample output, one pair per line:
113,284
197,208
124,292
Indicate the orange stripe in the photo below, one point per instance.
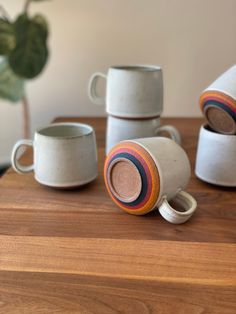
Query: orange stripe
154,177
148,206
217,94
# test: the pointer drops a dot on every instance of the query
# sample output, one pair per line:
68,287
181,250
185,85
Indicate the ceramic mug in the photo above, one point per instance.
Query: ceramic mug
144,174
131,92
125,129
218,103
65,155
216,157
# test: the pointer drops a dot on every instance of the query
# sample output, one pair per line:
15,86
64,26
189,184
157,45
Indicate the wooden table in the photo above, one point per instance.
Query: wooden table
76,252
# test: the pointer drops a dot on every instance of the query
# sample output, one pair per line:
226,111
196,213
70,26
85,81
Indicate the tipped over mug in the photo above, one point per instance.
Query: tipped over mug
218,102
65,155
134,91
144,174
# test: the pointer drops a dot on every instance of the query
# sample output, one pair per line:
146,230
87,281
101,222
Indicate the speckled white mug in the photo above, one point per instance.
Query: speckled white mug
216,157
65,155
159,186
134,91
127,129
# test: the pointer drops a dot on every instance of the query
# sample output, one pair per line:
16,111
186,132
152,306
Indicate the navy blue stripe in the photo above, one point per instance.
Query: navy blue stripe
220,105
142,174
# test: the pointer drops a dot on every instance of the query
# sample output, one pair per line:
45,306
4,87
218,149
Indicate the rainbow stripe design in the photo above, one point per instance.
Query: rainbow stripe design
218,99
147,168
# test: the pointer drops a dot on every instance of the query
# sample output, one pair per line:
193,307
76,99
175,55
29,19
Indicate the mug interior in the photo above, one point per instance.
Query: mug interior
66,130
140,68
209,129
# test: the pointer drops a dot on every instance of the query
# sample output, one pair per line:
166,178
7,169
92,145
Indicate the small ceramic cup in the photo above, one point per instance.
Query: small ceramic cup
216,157
126,129
144,174
65,155
131,92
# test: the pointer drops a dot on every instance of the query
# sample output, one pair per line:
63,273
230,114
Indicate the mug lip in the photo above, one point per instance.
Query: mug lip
89,128
208,129
131,116
137,67
136,120
141,118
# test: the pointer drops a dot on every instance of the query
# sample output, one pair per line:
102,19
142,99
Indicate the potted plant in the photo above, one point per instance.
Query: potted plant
24,54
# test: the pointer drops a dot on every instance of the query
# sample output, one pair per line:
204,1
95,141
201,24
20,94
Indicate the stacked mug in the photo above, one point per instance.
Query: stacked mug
216,154
134,103
142,172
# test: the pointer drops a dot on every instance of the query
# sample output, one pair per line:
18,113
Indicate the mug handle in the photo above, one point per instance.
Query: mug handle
186,201
173,132
14,160
97,100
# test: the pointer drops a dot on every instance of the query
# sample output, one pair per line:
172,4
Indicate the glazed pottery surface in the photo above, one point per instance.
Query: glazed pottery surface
164,172
131,92
216,157
218,103
65,155
125,129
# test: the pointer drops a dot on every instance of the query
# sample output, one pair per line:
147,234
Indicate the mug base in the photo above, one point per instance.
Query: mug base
216,182
66,185
220,120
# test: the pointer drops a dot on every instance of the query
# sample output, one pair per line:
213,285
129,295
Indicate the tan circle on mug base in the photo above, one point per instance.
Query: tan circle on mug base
220,120
124,180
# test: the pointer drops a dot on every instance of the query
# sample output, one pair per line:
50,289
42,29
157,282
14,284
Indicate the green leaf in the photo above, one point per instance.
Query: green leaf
11,86
42,22
30,55
7,37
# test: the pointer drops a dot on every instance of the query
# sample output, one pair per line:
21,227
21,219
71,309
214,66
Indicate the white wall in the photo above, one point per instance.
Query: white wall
193,40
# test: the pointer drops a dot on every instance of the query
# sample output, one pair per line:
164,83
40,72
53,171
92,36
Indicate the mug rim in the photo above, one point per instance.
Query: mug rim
137,67
138,119
89,128
208,129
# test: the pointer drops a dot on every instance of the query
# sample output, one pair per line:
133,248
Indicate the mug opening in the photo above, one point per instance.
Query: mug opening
138,68
65,130
208,128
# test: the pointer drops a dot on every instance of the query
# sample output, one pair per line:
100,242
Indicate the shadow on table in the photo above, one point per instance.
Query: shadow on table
3,169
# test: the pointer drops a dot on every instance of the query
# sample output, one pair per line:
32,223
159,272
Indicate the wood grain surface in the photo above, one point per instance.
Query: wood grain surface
76,252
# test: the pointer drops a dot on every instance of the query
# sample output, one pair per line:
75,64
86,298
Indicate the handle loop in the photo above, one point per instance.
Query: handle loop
186,201
173,132
97,100
14,158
